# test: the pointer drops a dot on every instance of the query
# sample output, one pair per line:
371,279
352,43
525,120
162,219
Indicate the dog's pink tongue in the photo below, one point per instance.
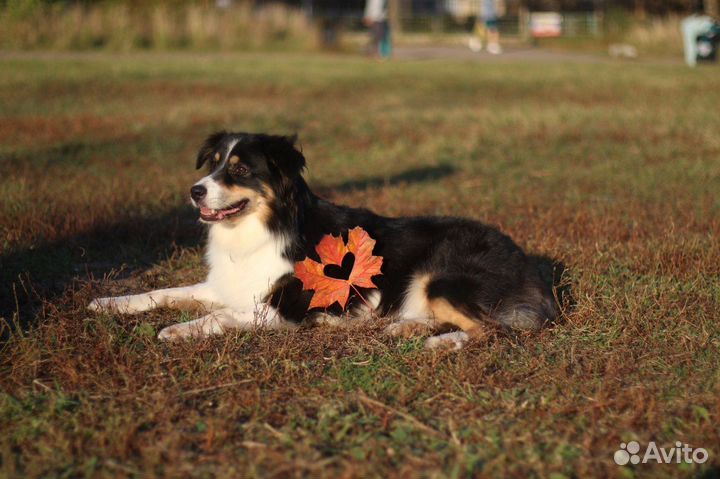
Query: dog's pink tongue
223,213
217,214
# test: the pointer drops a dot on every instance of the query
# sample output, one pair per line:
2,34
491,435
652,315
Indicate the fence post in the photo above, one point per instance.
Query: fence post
524,23
394,16
597,23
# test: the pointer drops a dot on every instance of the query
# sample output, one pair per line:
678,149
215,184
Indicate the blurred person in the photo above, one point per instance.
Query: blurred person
485,27
692,28
376,18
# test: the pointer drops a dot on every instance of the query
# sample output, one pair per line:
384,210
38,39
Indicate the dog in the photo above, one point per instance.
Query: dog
438,273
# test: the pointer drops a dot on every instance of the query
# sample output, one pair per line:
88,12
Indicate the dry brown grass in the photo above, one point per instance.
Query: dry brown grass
612,169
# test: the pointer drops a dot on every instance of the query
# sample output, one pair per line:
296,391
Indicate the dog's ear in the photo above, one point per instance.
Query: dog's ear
284,155
207,148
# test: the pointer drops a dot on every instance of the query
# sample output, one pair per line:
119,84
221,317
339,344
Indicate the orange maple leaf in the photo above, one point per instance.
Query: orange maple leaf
332,251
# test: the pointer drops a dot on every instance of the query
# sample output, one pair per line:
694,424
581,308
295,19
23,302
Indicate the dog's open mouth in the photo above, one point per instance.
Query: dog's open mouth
208,214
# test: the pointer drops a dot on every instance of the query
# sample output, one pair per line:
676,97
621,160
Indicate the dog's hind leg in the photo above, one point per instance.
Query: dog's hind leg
187,296
414,317
472,303
446,314
421,314
407,328
455,340
223,319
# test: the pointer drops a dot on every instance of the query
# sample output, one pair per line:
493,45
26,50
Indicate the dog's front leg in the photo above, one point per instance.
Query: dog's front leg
217,322
198,294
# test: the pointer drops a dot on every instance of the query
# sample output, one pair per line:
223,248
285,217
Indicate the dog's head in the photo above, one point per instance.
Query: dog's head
246,173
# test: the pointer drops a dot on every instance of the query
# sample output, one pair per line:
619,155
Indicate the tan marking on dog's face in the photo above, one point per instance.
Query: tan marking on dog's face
235,193
234,160
217,157
267,197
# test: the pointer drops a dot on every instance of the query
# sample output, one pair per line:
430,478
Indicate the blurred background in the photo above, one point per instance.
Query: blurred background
620,27
575,126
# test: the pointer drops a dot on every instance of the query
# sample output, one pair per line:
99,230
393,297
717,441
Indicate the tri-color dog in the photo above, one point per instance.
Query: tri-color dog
437,273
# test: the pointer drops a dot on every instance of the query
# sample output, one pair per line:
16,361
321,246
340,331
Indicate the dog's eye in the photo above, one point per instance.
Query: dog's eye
238,170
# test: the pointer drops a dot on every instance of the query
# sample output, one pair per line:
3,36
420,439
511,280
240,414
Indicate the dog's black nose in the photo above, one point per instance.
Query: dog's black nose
198,192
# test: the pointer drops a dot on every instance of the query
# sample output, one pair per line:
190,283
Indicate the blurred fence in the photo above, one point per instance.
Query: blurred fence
447,16
242,24
573,24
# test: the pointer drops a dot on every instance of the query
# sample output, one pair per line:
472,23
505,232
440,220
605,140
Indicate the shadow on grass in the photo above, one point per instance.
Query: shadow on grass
424,174
31,276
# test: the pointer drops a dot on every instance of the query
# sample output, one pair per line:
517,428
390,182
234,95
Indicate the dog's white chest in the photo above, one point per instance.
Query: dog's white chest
245,261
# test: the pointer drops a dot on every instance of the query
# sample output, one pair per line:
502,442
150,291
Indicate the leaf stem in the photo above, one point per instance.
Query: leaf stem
372,310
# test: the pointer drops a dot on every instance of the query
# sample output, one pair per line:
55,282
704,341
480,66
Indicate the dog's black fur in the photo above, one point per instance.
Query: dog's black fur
477,269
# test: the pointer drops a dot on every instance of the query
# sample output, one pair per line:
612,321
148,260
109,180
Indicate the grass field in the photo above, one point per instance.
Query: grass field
613,169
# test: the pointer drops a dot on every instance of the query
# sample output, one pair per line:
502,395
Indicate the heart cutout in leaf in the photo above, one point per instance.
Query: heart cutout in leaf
343,271
335,287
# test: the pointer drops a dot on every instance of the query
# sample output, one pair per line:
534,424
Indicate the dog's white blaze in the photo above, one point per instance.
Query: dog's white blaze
215,197
245,260
230,147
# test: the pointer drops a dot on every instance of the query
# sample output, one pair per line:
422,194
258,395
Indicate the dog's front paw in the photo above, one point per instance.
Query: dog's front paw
172,333
407,329
180,331
101,304
118,304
